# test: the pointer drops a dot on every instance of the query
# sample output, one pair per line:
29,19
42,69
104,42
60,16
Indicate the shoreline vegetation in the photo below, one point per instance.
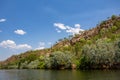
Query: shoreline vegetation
97,48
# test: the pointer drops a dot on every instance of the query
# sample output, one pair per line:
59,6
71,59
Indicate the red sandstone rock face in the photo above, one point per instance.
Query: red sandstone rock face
94,31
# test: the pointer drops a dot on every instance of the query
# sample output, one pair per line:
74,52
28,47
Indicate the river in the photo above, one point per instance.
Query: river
59,75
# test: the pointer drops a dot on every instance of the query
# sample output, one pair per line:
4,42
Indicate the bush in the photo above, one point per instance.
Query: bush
41,64
98,55
23,65
117,51
31,57
114,28
58,60
113,17
33,64
117,24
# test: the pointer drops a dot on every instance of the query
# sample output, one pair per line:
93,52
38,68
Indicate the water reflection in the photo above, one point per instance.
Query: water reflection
59,75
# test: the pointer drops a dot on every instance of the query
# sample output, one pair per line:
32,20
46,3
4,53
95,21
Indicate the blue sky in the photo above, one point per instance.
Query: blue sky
37,24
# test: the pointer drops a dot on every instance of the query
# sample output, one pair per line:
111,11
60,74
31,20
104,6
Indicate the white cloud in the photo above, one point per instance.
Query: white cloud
77,25
2,20
12,45
40,48
8,44
72,30
60,25
75,30
42,45
20,32
23,46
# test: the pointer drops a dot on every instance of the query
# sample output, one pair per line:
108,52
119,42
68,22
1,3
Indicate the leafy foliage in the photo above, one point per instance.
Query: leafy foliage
58,60
100,55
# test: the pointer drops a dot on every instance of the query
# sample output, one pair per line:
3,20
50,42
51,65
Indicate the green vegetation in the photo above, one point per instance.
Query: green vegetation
101,55
58,60
97,48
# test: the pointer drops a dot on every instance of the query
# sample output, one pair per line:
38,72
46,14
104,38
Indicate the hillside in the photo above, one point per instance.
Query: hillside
78,51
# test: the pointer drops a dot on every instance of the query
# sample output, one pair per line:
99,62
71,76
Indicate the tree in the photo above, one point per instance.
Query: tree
98,55
58,60
113,17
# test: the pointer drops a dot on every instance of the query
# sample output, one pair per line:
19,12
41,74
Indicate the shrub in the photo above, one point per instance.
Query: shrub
117,50
98,55
23,65
114,28
117,24
31,57
58,60
113,17
41,64
33,64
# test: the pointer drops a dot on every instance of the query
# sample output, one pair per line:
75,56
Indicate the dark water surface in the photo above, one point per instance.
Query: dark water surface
59,75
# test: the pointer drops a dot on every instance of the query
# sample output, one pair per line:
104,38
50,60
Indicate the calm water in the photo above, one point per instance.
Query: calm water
58,75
